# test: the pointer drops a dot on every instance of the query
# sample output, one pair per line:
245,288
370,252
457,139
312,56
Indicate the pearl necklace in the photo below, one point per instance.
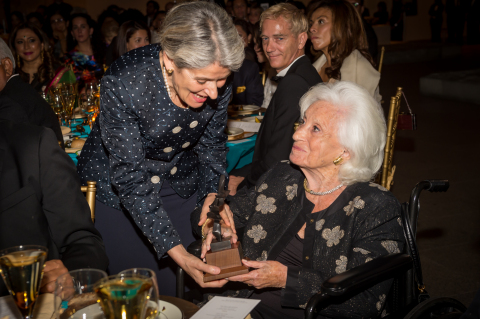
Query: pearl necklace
319,193
166,82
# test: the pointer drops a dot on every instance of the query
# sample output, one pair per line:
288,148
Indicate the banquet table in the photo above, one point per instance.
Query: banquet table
44,307
240,152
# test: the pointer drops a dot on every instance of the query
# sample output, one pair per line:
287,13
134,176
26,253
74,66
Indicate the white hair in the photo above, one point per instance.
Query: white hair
361,131
197,34
5,52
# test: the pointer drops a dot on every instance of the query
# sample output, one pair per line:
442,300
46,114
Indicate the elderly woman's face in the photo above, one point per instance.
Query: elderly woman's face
193,86
321,28
315,141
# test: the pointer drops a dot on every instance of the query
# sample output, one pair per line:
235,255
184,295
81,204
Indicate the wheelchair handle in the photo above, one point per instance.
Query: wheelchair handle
434,185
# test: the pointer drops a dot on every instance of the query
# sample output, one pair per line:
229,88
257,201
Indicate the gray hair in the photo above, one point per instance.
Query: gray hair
197,34
362,131
5,52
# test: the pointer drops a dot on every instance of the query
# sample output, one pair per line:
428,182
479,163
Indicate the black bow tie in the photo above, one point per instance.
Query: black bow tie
276,78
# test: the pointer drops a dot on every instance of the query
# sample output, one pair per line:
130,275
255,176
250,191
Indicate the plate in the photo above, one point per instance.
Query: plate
234,133
171,311
65,130
243,109
95,312
252,119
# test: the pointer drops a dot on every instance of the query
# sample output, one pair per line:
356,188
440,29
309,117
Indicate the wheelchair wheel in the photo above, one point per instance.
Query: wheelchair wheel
437,308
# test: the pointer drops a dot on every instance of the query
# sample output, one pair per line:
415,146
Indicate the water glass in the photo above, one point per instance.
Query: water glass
75,295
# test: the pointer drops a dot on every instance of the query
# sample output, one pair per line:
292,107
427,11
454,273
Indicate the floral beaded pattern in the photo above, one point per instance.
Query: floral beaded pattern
257,233
291,191
357,202
265,205
333,236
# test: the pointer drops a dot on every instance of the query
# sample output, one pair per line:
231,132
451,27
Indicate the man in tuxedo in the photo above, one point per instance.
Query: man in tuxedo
41,203
284,34
247,85
19,102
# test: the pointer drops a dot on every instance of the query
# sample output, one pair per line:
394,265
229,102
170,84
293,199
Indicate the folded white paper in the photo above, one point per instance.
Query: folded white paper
246,126
226,308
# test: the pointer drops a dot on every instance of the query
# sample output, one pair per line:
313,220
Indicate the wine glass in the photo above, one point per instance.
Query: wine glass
125,296
152,310
22,270
74,294
57,104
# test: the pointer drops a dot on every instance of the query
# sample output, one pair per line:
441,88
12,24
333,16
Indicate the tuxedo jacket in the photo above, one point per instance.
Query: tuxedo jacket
17,93
274,141
247,85
40,199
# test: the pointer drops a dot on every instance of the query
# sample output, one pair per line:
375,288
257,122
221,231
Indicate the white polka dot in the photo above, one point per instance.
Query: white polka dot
176,129
173,170
155,179
167,149
187,144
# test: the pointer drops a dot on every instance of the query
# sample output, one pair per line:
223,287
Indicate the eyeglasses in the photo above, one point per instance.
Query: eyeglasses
56,20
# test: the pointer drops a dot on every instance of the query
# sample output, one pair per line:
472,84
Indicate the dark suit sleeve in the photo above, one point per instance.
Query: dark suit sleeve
66,209
287,111
11,110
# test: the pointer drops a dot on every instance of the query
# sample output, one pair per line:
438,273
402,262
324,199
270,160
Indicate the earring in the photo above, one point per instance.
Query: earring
338,160
169,71
17,57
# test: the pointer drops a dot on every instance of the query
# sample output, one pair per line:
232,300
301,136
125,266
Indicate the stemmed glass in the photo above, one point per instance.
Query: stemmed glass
22,270
57,104
69,95
74,293
126,296
152,309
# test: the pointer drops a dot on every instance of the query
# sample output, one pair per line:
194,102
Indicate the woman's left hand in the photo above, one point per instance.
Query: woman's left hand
267,274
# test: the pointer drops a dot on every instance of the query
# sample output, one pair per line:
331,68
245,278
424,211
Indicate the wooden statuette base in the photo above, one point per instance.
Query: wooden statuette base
229,261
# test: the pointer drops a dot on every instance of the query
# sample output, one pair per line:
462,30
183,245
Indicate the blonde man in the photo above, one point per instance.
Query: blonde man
284,33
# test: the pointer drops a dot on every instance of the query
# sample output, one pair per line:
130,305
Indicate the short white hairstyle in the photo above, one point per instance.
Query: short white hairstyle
361,130
5,52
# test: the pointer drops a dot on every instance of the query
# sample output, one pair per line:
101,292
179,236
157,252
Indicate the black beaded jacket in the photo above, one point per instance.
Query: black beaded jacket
142,139
362,224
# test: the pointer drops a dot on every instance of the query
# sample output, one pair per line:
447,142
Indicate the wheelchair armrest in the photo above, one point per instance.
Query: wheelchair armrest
359,277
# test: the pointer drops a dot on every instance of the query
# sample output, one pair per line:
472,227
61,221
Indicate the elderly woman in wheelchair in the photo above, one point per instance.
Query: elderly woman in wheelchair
318,214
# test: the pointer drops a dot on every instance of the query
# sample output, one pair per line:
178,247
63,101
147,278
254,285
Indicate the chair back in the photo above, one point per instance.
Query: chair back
388,168
380,62
90,191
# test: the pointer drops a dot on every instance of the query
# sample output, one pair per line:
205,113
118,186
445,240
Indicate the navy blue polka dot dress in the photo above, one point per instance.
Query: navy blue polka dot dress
143,142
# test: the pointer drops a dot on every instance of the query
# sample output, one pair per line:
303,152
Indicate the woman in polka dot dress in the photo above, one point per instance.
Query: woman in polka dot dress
158,147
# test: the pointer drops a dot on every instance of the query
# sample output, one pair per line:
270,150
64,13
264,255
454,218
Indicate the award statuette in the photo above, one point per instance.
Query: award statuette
223,254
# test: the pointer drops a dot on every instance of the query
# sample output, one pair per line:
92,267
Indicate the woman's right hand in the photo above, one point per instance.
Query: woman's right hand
226,232
225,213
195,267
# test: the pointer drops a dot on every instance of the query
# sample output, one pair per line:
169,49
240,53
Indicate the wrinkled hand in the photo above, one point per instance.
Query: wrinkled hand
195,267
53,269
233,183
226,232
225,213
267,274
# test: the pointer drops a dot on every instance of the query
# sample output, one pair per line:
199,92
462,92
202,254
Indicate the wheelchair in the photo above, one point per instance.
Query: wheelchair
408,297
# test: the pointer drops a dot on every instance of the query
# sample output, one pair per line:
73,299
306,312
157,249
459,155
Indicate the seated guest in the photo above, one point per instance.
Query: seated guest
16,18
337,32
381,16
34,60
35,18
41,203
318,215
156,26
247,83
254,13
85,54
284,33
132,35
58,25
18,101
240,9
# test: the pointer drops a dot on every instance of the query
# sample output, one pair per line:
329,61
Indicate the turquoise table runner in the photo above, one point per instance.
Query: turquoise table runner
240,153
